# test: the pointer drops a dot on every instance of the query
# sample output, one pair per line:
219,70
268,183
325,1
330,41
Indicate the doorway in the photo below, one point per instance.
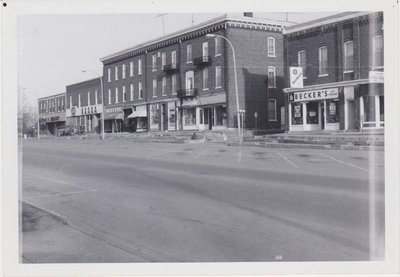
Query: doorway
208,118
322,105
164,117
351,115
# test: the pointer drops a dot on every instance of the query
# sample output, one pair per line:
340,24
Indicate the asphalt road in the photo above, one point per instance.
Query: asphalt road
207,202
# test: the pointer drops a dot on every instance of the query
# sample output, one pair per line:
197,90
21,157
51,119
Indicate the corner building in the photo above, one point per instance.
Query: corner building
185,80
52,115
84,107
341,58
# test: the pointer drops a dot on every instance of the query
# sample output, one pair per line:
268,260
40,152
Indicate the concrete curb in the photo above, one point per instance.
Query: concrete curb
308,146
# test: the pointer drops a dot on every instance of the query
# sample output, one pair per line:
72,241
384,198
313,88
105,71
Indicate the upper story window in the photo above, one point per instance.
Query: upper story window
301,61
271,76
140,88
88,98
271,47
95,97
205,49
109,96
189,53
377,48
189,80
154,87
62,104
348,55
205,78
218,76
164,85
123,71
163,59
140,66
132,88
173,57
131,69
116,95
79,100
218,46
173,84
123,94
109,74
70,102
154,62
116,72
323,61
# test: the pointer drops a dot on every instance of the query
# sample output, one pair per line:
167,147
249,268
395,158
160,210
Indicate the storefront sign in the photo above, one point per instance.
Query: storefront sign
114,110
376,77
296,77
313,95
73,110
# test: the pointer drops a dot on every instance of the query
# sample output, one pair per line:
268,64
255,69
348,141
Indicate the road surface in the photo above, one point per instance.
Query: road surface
157,202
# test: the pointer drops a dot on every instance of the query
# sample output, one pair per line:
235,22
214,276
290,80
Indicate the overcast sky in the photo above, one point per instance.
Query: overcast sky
54,49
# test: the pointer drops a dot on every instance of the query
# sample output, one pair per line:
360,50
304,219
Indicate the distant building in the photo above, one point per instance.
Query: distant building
341,85
84,106
185,80
52,114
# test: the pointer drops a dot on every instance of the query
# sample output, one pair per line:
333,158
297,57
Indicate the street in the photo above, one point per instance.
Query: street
158,202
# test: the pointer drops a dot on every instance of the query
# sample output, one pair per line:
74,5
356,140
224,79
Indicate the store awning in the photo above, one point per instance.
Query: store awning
139,113
212,99
111,116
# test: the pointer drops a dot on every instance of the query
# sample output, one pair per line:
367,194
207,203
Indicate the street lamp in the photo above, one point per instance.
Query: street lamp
102,99
38,121
236,85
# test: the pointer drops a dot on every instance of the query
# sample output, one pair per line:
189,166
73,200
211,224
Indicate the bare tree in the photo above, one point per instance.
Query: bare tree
27,116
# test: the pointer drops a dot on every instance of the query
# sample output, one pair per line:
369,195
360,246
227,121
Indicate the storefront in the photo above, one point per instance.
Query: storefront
113,120
81,120
314,110
137,120
52,125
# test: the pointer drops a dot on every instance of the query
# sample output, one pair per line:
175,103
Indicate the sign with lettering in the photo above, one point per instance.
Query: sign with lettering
330,93
376,77
296,77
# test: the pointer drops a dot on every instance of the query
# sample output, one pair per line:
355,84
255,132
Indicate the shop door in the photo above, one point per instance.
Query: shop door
164,117
350,115
208,118
322,115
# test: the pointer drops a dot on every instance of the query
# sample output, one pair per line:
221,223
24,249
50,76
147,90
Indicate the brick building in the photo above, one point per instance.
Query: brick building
341,85
185,80
52,114
84,106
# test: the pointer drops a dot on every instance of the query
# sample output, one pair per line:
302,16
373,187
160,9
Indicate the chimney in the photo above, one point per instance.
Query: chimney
248,14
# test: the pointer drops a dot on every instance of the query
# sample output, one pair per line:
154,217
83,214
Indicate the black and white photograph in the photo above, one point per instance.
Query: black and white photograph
161,137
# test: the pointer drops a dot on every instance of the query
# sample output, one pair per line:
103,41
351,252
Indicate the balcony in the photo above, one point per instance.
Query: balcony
203,60
186,93
171,68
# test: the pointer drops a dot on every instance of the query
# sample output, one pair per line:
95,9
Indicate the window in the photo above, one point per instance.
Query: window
271,47
62,104
154,87
163,59
272,110
301,60
189,80
220,115
140,90
154,62
116,73
123,94
88,98
109,74
205,78
218,82
109,96
218,46
323,61
131,69
116,95
348,56
95,97
189,53
79,100
271,76
173,57
70,102
123,71
205,49
140,66
131,91
164,85
377,56
173,84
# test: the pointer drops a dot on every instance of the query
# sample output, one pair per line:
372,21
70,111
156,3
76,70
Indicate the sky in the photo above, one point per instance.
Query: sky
54,49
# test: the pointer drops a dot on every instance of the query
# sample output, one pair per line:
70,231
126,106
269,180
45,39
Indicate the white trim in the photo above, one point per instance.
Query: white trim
348,71
323,75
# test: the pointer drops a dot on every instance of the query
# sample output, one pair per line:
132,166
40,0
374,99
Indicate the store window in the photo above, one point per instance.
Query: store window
190,116
323,60
348,56
312,113
272,110
155,114
382,108
220,115
297,114
332,111
369,108
377,46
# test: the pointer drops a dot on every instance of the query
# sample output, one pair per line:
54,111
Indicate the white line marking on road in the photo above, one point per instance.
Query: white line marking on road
201,154
339,161
286,159
61,193
240,156
55,180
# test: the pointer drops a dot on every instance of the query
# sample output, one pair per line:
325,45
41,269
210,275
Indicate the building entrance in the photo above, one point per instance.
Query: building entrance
322,105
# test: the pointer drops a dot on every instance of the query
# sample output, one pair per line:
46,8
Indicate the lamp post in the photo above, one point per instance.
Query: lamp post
102,100
38,121
236,85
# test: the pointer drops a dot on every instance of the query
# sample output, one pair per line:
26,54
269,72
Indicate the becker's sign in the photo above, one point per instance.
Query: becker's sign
330,93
